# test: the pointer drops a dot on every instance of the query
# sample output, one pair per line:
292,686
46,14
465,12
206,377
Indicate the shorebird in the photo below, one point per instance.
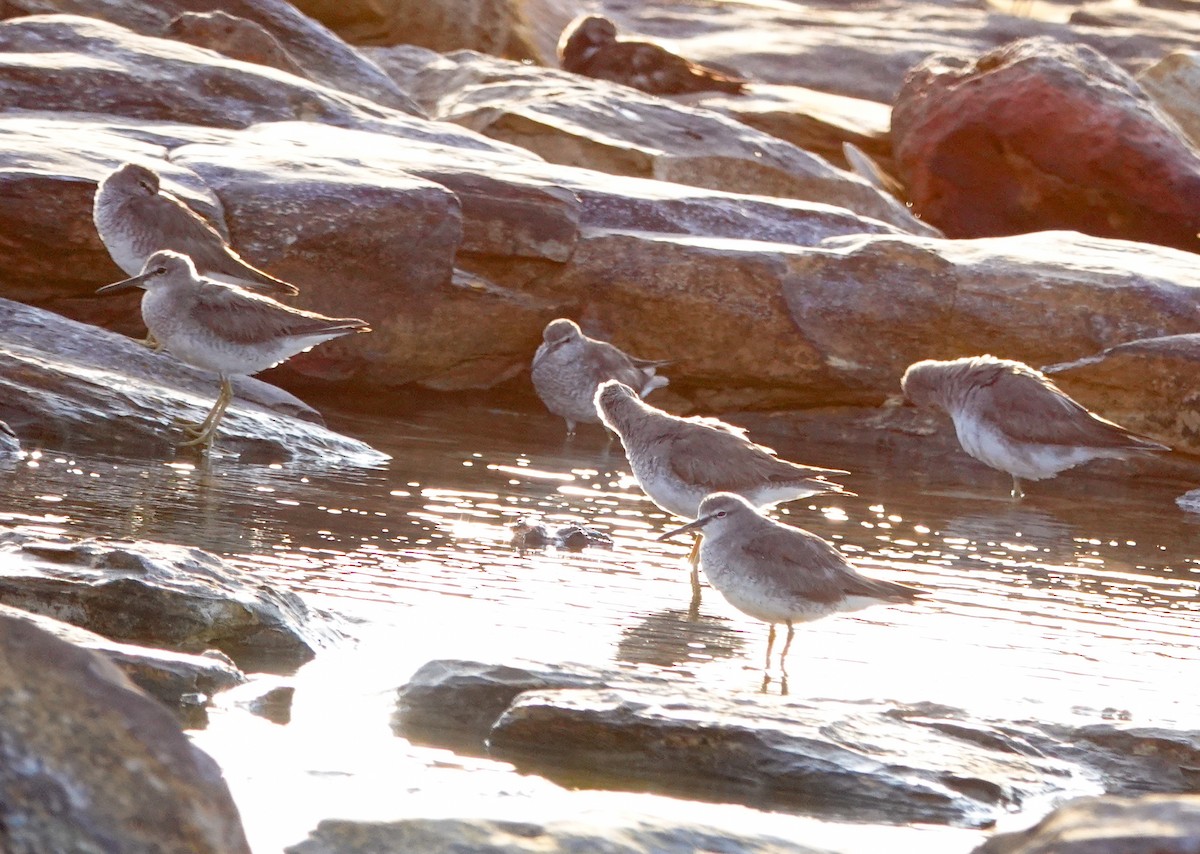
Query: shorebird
1013,418
568,366
777,573
135,218
678,461
223,328
589,46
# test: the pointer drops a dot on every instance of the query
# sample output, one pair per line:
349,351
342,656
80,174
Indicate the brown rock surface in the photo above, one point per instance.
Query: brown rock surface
1151,824
1022,139
1173,83
88,763
237,38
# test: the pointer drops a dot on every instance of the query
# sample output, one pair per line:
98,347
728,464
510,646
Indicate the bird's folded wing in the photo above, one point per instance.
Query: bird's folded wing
800,563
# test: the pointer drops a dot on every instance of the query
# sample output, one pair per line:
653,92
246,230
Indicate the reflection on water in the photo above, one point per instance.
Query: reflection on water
1083,600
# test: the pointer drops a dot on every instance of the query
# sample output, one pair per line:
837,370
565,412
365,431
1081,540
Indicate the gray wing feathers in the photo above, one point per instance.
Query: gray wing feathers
723,460
241,317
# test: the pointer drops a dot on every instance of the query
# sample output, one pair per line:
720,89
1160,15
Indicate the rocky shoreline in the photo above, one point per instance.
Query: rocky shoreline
900,181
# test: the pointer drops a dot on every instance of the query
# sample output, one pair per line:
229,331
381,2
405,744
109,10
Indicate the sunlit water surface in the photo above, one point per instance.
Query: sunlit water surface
1079,604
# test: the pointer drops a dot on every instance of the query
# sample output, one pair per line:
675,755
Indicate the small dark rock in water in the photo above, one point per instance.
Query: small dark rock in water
528,534
275,705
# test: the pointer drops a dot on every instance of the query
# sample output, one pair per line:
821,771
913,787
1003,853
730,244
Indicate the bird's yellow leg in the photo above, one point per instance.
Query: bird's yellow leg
770,645
787,644
206,431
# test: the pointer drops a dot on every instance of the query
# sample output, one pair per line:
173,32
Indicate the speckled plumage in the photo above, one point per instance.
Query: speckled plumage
589,46
135,218
1013,418
679,461
778,573
568,366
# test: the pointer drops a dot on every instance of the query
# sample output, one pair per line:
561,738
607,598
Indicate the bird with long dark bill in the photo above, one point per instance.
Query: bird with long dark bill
223,328
778,573
1014,418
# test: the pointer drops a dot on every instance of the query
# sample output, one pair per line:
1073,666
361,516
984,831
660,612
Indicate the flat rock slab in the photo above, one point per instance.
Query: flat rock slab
89,763
1153,824
75,387
582,836
179,680
162,595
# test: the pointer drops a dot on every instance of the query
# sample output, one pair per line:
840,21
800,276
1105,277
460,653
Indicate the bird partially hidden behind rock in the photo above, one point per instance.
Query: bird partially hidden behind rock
568,366
223,328
777,573
589,46
1013,418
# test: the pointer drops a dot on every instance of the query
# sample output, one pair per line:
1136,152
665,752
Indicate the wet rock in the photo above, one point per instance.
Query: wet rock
626,835
325,58
77,387
1151,386
86,759
151,593
452,703
1153,824
237,38
275,704
576,121
934,299
169,677
1020,139
1172,83
842,759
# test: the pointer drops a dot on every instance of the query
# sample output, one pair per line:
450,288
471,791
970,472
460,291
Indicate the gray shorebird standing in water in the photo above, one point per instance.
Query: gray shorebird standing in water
222,328
568,366
1013,418
589,46
777,573
135,218
679,461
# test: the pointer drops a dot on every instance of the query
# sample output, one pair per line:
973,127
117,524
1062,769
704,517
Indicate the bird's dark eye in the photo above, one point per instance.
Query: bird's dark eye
721,514
147,186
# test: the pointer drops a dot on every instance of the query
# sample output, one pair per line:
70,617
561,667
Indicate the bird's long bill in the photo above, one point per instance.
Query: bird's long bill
124,284
690,526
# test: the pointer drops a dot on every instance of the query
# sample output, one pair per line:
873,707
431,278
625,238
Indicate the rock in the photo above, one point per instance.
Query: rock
152,593
843,759
325,58
169,677
1172,83
1152,824
77,387
518,29
1020,140
454,704
1150,386
940,299
577,121
865,51
622,835
90,763
50,62
234,37
274,705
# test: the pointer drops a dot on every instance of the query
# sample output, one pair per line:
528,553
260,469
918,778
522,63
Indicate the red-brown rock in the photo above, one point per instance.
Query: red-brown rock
1043,135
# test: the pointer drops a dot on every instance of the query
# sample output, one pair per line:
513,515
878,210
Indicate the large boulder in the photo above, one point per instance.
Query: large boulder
1152,824
161,595
90,763
577,121
1172,83
324,58
1021,139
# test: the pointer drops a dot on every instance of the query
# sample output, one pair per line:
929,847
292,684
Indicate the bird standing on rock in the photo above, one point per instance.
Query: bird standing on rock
568,366
589,46
777,573
1013,418
223,328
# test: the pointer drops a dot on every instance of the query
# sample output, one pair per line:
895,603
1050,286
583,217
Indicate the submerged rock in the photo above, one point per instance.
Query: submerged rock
90,763
1020,140
1153,824
180,598
172,678
623,835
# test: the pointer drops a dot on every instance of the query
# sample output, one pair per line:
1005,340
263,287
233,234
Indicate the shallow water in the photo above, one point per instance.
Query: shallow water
1080,603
